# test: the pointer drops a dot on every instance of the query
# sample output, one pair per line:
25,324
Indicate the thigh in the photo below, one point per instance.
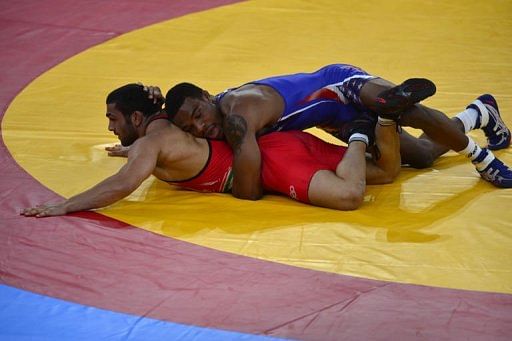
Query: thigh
372,88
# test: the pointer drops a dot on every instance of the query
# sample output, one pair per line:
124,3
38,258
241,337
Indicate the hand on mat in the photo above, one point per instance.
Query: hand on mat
46,210
118,150
154,92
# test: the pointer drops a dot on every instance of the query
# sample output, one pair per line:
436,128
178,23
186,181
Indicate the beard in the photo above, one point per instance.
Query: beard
130,136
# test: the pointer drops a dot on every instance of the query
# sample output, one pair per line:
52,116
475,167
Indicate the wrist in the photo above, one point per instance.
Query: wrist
359,137
385,121
67,206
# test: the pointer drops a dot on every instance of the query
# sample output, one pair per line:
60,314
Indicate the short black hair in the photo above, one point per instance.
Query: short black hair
176,96
132,97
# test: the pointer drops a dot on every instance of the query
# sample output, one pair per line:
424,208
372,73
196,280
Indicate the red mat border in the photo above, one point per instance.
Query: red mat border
93,260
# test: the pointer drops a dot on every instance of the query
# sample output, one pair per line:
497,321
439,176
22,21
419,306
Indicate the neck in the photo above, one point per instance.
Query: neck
155,121
154,125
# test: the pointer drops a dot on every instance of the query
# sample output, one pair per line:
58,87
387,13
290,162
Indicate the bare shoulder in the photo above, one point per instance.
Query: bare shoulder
248,94
147,144
172,143
258,103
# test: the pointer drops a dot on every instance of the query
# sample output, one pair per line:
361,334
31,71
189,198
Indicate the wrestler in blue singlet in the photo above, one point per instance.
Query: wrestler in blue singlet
326,98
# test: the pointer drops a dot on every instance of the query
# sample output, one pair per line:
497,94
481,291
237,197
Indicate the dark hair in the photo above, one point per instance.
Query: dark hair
177,95
132,97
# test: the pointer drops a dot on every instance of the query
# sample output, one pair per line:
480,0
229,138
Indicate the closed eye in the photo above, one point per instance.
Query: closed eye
197,113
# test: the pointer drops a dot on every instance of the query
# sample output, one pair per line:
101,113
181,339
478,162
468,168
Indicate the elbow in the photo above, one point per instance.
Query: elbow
351,199
253,196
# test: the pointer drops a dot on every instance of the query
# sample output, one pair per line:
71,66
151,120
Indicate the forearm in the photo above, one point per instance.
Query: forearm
247,171
246,159
103,194
352,168
141,162
385,166
247,179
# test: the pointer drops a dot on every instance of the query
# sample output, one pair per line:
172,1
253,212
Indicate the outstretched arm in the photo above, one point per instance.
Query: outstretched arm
141,163
241,136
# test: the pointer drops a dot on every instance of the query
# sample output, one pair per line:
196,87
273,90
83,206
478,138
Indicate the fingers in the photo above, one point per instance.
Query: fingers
118,153
154,93
117,150
113,148
47,210
38,211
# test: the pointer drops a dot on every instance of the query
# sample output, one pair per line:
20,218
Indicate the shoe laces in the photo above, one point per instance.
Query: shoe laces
499,126
492,175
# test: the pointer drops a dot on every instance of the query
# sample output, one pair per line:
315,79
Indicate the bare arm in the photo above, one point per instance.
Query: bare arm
385,167
241,136
141,163
343,190
352,170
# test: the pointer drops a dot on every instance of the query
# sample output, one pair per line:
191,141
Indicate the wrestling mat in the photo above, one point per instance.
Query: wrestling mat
427,257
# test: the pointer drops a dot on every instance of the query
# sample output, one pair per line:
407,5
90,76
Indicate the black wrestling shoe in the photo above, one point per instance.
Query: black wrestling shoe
392,102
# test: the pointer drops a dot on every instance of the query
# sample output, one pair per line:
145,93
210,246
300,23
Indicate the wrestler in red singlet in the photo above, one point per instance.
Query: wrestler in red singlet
289,161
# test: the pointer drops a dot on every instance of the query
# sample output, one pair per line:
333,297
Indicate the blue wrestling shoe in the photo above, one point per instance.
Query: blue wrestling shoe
392,102
498,135
496,172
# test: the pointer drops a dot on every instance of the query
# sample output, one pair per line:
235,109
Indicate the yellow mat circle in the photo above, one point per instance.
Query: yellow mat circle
442,226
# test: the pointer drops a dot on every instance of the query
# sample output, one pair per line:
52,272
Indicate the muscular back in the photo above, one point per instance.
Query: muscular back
181,156
259,105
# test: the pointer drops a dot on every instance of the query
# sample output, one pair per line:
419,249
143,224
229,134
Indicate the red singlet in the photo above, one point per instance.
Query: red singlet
289,161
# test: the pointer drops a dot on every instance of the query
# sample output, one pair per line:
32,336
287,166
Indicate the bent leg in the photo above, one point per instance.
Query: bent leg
422,152
440,132
437,127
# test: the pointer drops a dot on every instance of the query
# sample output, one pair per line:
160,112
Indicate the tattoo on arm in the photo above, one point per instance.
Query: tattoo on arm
235,130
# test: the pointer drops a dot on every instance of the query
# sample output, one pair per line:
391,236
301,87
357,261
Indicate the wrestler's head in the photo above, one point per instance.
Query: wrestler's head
127,108
194,110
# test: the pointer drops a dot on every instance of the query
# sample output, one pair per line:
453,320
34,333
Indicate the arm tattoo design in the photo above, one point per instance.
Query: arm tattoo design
235,130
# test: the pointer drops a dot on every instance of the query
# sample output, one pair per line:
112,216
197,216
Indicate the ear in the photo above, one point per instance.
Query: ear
207,95
137,118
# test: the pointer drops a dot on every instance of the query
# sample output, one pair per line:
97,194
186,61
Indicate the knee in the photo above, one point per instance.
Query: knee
417,152
420,160
421,163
